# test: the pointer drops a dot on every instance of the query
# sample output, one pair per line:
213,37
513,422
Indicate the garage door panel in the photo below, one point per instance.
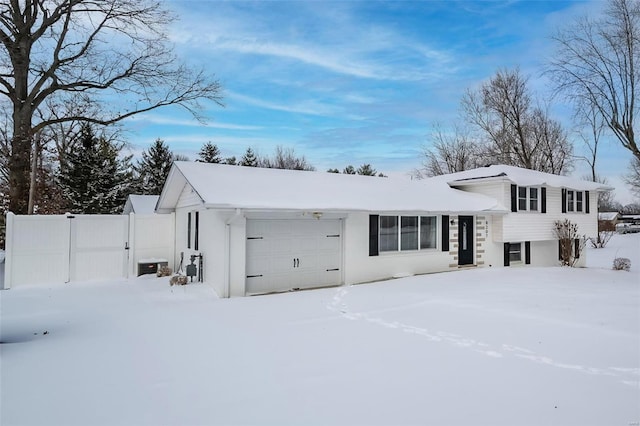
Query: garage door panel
286,254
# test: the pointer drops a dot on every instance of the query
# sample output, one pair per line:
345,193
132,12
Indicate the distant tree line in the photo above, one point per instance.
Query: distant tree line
90,174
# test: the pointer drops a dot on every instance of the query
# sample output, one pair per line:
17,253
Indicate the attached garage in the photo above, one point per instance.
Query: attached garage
284,254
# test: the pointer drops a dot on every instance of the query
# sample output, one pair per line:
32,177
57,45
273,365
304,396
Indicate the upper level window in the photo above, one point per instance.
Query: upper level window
579,201
527,198
413,233
533,199
571,196
576,201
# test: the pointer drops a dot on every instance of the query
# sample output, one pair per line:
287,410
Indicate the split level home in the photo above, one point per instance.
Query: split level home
266,230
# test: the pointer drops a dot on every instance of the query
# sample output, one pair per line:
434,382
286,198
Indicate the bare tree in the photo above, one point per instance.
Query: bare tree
514,131
449,153
633,176
286,158
596,65
113,54
590,132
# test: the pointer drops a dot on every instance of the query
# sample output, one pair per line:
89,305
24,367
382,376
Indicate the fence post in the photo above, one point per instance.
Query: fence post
8,255
131,269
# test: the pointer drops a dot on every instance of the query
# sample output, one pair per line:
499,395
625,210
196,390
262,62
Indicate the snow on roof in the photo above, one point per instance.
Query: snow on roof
521,177
608,215
141,204
225,186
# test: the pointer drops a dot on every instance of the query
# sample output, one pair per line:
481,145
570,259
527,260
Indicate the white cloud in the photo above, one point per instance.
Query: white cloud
185,122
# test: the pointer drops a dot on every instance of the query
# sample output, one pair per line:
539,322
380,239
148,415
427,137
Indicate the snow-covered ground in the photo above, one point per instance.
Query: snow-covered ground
513,346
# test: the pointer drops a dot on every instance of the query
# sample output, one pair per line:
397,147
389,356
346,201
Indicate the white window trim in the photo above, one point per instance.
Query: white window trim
574,205
399,225
518,251
528,199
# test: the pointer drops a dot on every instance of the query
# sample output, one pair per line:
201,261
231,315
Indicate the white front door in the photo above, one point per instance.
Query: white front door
292,254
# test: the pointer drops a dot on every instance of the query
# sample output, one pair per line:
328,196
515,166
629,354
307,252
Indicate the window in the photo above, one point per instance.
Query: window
527,199
189,230
515,252
570,200
579,201
428,226
197,231
576,201
407,233
522,198
533,199
388,233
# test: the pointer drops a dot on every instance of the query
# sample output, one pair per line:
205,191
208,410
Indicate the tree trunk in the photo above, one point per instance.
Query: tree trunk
19,164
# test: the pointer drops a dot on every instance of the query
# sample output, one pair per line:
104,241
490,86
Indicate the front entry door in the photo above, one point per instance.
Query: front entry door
465,240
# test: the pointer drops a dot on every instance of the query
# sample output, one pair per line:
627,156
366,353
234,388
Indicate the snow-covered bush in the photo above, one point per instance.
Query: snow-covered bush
571,243
621,264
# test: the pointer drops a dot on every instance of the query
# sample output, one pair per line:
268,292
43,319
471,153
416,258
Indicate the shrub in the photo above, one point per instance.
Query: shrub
602,239
621,264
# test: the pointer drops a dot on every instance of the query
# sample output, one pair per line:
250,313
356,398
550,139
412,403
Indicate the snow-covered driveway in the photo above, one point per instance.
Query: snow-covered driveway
510,346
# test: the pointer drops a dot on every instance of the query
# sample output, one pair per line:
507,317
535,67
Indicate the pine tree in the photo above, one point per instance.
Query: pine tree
366,170
232,161
349,170
153,168
209,153
94,179
249,159
333,171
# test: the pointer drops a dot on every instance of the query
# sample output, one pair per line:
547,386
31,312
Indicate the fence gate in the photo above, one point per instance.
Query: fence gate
46,249
98,247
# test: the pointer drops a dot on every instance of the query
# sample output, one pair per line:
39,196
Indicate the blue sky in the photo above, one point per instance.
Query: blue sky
354,82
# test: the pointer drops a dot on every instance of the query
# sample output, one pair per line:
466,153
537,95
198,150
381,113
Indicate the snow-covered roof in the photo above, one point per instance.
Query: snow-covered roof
521,177
608,215
141,204
225,186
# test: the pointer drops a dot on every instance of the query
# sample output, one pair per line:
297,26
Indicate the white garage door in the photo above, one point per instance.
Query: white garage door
293,254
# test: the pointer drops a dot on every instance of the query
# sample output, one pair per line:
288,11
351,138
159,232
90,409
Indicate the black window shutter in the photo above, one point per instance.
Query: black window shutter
527,252
543,201
586,202
197,231
373,234
189,230
514,198
506,254
564,200
445,233
576,243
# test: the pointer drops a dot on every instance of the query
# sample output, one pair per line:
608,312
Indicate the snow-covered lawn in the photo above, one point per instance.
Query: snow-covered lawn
512,346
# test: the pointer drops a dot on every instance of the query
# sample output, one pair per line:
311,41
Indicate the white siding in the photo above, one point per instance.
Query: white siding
499,191
188,197
360,267
151,236
528,226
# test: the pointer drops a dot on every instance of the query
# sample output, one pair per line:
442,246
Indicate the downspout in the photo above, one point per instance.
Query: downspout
227,243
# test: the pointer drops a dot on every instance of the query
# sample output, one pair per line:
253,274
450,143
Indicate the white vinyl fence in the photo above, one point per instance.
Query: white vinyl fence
68,248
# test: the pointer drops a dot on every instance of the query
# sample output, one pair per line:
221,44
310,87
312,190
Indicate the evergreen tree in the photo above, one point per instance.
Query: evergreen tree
249,159
366,170
349,170
231,161
153,168
333,171
94,179
209,153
